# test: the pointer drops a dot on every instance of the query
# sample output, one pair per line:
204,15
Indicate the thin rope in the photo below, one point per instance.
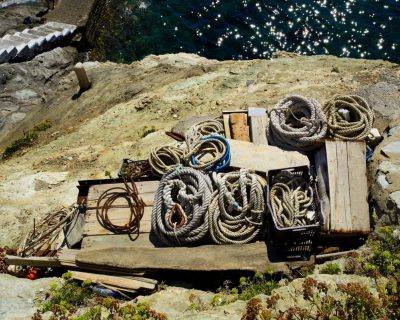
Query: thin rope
297,123
236,213
179,215
348,117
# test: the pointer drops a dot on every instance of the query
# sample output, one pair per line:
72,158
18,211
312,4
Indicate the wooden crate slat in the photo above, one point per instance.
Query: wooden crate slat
323,185
143,187
331,156
258,123
358,186
227,128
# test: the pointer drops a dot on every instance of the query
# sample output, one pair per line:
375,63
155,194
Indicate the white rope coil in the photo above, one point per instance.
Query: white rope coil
236,213
201,129
349,117
180,215
291,199
297,123
163,159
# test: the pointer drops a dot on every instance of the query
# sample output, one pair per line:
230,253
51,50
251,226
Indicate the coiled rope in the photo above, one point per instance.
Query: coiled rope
236,212
163,159
134,202
348,117
291,200
40,239
180,214
297,123
201,129
210,153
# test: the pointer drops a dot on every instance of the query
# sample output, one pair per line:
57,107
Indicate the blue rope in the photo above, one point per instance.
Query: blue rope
226,157
369,153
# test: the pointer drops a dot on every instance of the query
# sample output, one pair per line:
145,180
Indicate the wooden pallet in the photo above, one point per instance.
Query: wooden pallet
343,187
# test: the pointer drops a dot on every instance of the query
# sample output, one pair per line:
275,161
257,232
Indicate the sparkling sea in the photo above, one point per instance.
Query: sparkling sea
246,29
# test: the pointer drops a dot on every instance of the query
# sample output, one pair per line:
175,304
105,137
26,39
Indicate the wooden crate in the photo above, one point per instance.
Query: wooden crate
343,187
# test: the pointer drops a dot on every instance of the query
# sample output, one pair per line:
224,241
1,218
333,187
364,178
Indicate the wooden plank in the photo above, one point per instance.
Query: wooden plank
118,216
147,240
258,124
264,158
331,156
344,221
148,199
227,128
143,187
248,257
239,127
358,186
321,169
49,262
120,282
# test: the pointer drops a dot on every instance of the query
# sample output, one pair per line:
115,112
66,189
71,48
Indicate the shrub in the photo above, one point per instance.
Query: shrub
331,268
260,283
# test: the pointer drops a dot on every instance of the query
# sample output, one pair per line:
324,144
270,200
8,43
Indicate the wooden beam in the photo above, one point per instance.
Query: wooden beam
49,262
258,124
239,127
264,158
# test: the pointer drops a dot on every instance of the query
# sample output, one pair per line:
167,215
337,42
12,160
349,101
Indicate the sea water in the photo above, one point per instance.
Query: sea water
248,29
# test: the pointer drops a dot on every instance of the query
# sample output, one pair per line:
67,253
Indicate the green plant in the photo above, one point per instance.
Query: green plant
259,283
26,140
93,313
331,268
196,304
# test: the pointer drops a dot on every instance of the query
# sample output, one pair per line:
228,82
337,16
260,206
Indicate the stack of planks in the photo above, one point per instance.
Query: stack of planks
343,187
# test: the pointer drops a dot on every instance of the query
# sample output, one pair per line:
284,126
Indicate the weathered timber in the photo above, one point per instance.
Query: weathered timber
264,158
115,281
258,123
49,262
238,126
248,257
227,128
344,165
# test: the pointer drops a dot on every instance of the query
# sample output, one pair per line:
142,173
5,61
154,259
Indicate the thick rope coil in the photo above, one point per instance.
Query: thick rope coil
291,200
210,153
134,202
180,214
202,129
44,233
236,213
348,117
297,123
163,159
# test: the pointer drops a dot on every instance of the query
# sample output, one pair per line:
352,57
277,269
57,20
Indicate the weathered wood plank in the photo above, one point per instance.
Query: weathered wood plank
344,222
250,257
264,158
331,156
148,199
239,127
358,186
120,282
118,216
227,128
49,262
258,124
142,186
323,185
148,240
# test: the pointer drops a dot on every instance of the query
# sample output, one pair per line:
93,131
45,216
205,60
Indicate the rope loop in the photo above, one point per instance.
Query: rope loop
236,213
162,159
348,117
179,215
297,123
201,129
210,153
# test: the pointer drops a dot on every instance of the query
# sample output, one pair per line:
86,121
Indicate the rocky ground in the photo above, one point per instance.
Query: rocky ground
92,132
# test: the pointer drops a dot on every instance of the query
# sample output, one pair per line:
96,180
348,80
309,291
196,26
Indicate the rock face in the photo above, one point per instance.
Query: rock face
17,296
94,131
25,88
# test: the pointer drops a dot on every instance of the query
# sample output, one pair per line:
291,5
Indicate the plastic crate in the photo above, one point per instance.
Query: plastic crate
300,232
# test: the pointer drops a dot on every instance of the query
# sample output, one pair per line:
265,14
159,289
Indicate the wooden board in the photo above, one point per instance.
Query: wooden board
249,257
264,158
238,126
321,169
347,187
258,123
227,128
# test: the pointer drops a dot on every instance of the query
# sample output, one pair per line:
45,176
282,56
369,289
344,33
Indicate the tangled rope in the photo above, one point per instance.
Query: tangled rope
201,129
134,202
349,117
163,159
210,153
180,212
40,239
297,123
291,200
236,212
